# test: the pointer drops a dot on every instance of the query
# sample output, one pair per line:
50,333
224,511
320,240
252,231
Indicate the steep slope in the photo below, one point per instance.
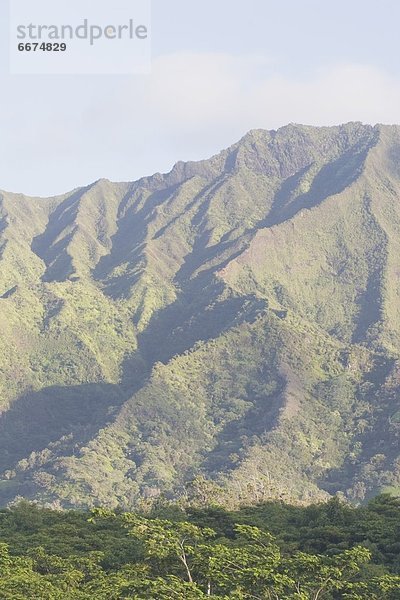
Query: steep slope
236,318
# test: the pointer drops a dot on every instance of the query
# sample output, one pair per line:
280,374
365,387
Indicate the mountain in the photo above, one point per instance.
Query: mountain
230,329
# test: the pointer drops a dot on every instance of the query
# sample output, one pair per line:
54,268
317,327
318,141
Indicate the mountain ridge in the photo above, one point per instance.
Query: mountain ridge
235,319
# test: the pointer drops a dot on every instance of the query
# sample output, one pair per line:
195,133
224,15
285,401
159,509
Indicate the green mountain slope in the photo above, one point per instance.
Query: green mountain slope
236,319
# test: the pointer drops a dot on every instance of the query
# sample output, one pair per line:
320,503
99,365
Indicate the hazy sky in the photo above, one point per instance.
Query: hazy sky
220,67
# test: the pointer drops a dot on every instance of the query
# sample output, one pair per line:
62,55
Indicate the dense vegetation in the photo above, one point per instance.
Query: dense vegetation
237,319
273,551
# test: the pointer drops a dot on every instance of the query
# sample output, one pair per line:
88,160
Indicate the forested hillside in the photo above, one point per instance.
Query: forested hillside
235,322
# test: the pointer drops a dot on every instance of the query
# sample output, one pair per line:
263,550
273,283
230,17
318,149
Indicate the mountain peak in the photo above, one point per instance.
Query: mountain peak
236,317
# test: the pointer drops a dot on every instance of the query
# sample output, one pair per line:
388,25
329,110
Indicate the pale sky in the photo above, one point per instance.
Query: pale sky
219,68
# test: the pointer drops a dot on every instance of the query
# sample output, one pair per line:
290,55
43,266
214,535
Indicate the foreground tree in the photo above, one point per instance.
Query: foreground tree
190,563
